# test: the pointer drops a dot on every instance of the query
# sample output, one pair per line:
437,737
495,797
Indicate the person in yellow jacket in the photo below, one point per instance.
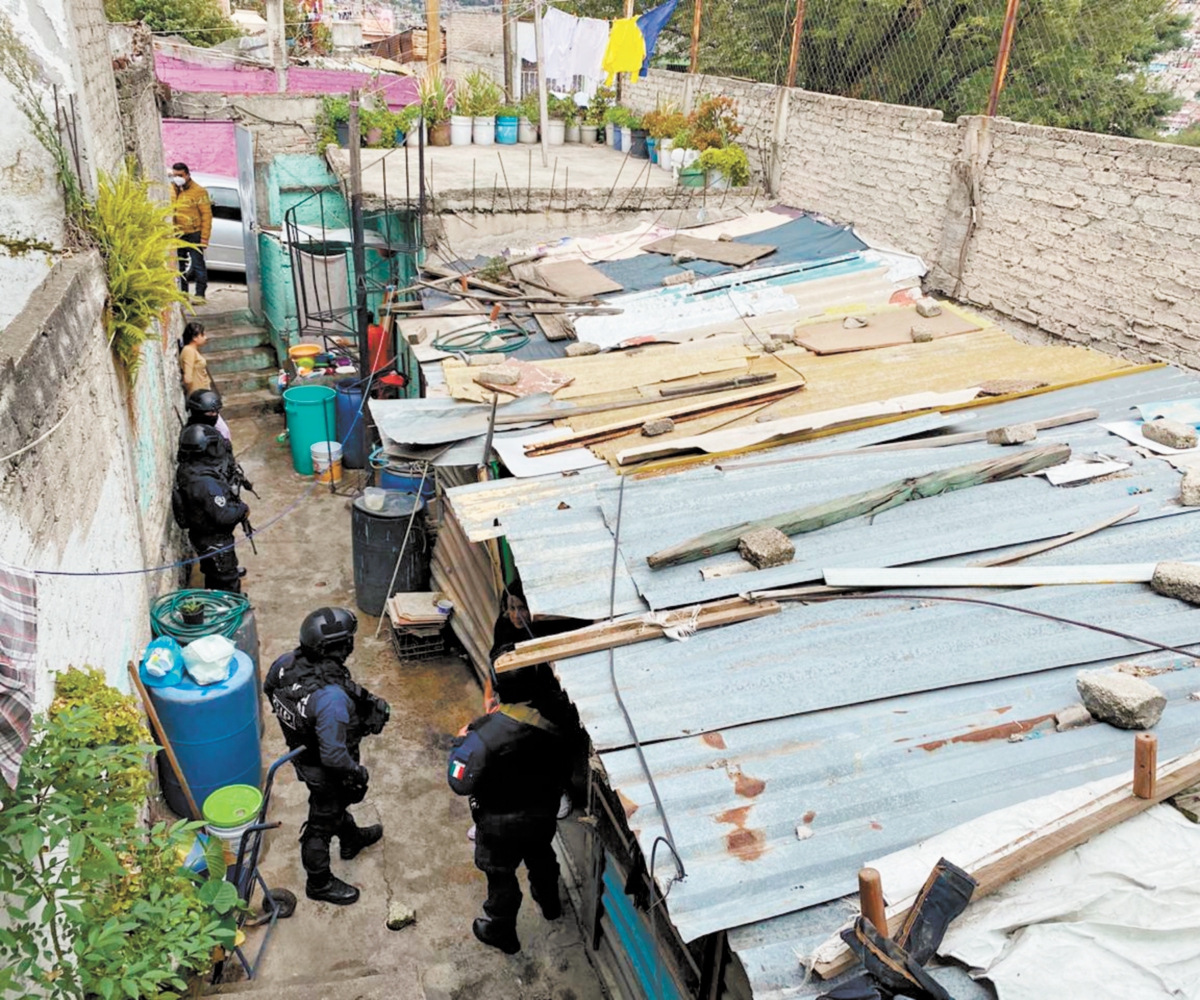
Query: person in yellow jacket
193,222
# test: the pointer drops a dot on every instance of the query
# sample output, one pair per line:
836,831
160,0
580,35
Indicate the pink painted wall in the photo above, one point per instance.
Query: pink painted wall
206,147
190,77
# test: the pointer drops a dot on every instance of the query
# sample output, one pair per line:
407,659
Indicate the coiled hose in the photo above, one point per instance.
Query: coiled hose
223,614
472,340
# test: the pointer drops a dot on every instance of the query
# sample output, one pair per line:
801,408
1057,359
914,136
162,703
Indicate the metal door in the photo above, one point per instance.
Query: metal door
244,140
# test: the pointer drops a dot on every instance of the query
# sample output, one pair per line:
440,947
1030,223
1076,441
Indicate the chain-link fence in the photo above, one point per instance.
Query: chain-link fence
1123,66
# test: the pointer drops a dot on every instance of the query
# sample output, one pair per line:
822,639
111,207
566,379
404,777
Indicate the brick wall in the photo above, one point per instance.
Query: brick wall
132,50
98,107
1094,239
474,40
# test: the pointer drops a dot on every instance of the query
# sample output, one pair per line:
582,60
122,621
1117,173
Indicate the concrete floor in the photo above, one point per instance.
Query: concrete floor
425,859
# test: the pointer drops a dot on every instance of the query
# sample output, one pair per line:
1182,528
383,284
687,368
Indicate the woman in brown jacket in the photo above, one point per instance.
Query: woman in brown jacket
194,368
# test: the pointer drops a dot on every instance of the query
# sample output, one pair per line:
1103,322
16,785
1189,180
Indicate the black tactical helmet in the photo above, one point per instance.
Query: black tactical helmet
329,631
197,440
204,401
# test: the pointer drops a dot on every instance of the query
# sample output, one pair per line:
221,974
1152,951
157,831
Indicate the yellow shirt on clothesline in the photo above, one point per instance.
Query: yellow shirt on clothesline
626,49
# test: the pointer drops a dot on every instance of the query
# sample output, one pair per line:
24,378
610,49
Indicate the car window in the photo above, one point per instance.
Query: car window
226,204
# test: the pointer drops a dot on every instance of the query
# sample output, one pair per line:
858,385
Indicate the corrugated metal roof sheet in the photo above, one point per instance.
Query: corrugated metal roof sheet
865,779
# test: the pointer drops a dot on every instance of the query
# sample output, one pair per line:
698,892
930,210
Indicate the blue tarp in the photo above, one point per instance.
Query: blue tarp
805,238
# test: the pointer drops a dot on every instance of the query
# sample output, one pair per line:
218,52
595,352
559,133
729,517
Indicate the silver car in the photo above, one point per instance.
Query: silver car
226,252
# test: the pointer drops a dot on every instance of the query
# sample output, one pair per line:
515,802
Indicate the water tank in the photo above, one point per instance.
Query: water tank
214,731
378,537
351,423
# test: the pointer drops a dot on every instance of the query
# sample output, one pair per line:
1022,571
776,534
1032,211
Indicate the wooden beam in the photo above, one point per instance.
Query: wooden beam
874,501
870,899
678,413
1036,848
630,630
1145,765
987,576
694,55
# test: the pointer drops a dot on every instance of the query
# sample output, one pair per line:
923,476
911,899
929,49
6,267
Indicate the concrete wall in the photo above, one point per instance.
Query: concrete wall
95,495
1091,238
132,49
475,40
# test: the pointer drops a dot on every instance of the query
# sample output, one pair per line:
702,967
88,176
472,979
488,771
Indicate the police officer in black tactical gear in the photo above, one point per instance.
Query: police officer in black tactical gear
514,764
204,409
206,505
322,710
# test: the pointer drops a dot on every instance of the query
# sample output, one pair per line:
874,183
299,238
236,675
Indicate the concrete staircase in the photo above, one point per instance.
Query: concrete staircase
241,361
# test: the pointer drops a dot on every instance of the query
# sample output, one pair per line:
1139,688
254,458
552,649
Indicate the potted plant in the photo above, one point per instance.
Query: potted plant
508,117
593,119
479,98
614,117
530,116
637,138
727,167
714,123
436,106
572,113
192,611
683,157
662,124
556,126
410,122
334,120
378,125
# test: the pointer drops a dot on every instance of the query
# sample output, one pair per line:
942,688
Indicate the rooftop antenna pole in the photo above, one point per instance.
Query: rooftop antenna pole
541,77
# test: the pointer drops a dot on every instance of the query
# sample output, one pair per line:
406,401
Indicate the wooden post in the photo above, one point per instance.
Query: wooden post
696,12
1145,765
629,8
152,715
870,899
797,29
505,17
433,33
1006,40
543,113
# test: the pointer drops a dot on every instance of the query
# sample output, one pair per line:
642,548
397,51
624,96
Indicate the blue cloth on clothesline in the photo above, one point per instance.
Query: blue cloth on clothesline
650,25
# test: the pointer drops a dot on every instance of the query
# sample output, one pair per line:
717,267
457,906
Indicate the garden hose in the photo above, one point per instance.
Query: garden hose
474,341
223,614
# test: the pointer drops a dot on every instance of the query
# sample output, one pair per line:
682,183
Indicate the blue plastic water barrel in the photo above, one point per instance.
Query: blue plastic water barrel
506,130
407,479
377,540
214,731
309,411
351,424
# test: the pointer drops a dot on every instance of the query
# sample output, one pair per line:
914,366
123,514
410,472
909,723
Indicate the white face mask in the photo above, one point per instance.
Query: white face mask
178,181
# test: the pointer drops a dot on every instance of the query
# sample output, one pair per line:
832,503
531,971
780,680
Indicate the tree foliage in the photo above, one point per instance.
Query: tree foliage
1074,64
200,22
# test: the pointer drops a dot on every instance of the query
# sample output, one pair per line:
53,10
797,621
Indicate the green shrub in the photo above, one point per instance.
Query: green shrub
200,22
730,162
137,239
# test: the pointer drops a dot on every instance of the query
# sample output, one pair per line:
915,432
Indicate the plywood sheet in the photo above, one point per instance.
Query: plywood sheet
554,326
891,328
722,251
575,279
460,380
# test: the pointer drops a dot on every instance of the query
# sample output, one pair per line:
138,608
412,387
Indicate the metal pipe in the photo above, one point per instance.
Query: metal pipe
1006,40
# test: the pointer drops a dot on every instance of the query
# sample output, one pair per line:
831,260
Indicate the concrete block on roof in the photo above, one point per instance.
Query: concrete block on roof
1012,434
498,376
928,307
484,360
582,349
1119,699
653,428
1072,717
766,547
1172,433
921,334
1189,489
680,278
1177,579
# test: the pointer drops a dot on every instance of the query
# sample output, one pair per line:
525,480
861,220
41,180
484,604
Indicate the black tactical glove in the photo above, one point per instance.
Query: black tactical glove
356,784
376,713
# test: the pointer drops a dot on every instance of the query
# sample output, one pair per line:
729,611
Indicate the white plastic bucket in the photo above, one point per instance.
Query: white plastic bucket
327,461
231,838
483,130
526,131
460,130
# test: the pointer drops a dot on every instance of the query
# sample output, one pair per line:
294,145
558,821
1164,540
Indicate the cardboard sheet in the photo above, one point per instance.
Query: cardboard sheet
723,251
890,328
575,279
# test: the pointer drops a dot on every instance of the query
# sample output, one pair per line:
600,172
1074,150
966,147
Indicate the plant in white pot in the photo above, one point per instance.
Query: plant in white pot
410,122
480,98
572,113
557,109
530,116
727,167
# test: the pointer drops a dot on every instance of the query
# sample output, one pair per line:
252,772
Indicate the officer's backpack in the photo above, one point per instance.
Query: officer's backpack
469,759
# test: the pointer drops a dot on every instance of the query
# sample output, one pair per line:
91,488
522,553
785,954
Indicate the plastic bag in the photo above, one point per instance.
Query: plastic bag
209,659
162,665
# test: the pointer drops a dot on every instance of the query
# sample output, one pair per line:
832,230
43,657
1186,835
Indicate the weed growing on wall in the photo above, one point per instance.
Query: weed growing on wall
98,905
138,242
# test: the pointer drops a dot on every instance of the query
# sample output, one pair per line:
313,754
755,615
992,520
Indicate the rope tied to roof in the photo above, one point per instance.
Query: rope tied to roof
673,627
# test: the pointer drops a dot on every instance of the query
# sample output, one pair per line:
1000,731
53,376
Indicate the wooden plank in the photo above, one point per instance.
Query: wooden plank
634,629
987,576
678,413
721,251
1054,543
454,277
886,329
796,522
553,327
1035,849
575,279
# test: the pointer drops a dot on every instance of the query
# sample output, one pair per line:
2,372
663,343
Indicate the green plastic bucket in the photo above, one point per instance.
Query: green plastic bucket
311,412
229,811
689,177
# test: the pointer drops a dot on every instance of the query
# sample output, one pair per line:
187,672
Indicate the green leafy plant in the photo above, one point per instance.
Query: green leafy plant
98,905
495,269
530,108
730,162
508,111
714,123
480,96
382,118
334,111
662,123
435,100
619,116
408,117
682,139
603,99
138,242
562,108
200,22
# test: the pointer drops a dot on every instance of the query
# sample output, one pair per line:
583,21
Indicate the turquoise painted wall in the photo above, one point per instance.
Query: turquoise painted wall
305,181
279,298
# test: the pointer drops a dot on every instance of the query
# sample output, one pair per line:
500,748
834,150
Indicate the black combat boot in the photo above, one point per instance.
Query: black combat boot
334,891
355,842
496,935
548,901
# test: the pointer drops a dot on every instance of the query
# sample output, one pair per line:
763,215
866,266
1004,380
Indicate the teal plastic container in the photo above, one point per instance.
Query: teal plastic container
652,148
506,131
311,412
